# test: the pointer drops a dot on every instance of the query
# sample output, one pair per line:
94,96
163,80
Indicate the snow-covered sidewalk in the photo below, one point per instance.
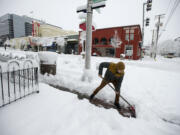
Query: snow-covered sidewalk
152,86
53,112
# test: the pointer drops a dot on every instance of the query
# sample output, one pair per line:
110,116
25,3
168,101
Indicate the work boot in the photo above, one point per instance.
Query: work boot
91,97
117,105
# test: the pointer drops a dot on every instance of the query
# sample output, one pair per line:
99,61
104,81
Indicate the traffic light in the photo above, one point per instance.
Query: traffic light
147,21
149,5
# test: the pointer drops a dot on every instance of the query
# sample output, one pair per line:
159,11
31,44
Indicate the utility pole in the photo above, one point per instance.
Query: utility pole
91,4
152,44
157,32
88,35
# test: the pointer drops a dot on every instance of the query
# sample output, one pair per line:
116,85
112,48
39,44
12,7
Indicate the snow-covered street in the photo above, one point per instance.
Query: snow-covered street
152,86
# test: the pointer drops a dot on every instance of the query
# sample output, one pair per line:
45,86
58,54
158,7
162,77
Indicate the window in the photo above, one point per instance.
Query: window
132,31
110,40
96,41
127,36
132,36
129,32
104,41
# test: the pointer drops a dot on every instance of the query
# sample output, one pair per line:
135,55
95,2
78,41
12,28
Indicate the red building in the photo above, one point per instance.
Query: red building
112,42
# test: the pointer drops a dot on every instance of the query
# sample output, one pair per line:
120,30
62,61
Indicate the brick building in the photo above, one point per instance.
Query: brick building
112,42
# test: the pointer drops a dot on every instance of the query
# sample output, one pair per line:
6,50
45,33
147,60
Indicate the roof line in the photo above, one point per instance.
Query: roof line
119,27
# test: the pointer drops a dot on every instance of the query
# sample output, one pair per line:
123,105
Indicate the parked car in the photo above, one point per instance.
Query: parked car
170,55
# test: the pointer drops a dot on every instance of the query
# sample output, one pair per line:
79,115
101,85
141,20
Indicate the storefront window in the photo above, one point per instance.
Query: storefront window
104,41
110,40
96,41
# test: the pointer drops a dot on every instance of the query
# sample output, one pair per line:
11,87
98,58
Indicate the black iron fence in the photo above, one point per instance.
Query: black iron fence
17,83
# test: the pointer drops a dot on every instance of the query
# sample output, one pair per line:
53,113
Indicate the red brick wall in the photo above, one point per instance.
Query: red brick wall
109,33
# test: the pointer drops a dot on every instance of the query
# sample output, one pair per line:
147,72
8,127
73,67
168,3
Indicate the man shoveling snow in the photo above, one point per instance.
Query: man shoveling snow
114,74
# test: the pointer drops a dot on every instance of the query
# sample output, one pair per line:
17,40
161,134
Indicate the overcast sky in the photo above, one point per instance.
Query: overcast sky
116,13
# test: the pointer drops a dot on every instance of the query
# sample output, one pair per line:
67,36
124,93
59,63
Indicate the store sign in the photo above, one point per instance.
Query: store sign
83,26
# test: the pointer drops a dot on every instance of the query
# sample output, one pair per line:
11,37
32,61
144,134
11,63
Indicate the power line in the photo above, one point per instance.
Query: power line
176,3
172,11
168,6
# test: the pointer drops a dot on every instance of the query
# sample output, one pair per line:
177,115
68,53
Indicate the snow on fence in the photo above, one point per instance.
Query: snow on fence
17,82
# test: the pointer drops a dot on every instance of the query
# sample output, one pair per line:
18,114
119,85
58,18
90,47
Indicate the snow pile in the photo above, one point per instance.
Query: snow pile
18,59
82,16
48,41
14,65
48,57
87,75
3,53
95,4
14,54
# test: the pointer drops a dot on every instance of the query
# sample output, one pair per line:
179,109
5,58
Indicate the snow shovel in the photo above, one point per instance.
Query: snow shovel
131,107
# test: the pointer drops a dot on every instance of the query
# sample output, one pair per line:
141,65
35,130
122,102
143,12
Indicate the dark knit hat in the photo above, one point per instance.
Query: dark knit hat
120,65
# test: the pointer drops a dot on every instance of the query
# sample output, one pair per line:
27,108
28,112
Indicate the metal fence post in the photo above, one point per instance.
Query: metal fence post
2,89
8,87
28,79
14,84
13,78
32,79
19,83
24,81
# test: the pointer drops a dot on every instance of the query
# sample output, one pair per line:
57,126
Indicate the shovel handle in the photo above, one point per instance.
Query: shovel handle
120,95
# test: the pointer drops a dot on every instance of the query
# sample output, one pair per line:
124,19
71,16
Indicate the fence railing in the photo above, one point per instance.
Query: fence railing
17,83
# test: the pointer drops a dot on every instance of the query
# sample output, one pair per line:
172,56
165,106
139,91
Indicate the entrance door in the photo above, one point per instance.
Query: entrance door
129,50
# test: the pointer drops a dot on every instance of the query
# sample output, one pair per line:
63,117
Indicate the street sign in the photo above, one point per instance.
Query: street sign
96,1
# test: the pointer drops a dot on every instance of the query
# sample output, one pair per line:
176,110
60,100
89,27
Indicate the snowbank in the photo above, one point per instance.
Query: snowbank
18,60
48,41
48,57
